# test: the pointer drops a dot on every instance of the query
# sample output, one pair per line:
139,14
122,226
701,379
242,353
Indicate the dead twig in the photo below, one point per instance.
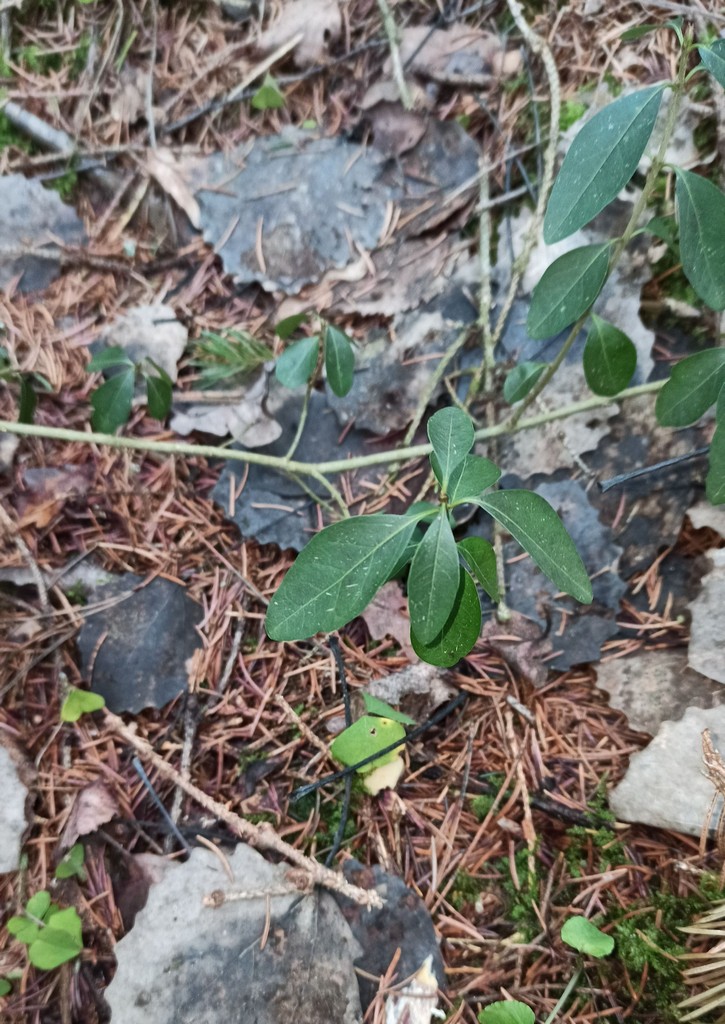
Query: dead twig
260,836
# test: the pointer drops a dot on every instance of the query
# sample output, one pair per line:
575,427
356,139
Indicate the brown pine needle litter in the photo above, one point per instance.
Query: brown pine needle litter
497,822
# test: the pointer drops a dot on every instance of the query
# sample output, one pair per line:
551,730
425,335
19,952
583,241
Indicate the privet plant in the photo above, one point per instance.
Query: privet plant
342,568
339,572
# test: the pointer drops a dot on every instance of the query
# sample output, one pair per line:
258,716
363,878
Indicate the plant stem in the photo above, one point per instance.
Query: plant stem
316,470
619,246
564,997
391,31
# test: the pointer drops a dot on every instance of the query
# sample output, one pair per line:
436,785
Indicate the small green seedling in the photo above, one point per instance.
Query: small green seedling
71,865
113,400
585,937
268,96
80,702
339,572
53,936
300,363
376,730
5,987
28,383
228,358
507,1011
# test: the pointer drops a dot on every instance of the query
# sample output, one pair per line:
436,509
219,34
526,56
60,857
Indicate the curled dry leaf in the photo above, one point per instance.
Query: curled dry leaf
166,170
243,417
522,644
386,615
319,23
457,55
93,806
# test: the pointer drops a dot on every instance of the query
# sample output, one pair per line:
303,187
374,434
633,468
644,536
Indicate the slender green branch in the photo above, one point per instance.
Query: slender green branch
619,246
433,381
540,47
391,31
316,470
564,997
302,420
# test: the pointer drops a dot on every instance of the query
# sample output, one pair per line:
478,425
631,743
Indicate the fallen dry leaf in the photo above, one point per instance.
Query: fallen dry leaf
457,55
318,21
417,690
386,615
166,170
46,489
93,806
522,645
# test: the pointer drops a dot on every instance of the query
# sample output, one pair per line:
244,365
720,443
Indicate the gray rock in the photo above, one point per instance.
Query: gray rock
655,687
707,632
664,785
32,217
184,962
289,207
13,797
138,648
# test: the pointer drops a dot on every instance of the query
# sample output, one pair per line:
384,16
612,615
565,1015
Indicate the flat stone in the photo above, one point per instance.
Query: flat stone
655,687
185,963
707,632
13,799
664,785
32,217
136,651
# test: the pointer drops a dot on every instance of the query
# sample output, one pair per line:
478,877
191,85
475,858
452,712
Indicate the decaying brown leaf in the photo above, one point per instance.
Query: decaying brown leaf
457,55
167,171
319,22
386,616
46,489
93,806
522,644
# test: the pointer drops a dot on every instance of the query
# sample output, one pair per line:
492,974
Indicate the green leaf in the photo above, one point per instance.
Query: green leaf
715,482
337,575
507,1011
713,57
601,160
80,702
567,289
637,32
532,522
72,864
113,356
520,381
364,738
701,216
481,560
460,633
5,987
23,929
268,96
694,386
287,327
379,707
664,228
57,943
433,580
297,363
470,478
158,395
450,431
339,360
112,402
582,935
610,358
39,904
28,400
